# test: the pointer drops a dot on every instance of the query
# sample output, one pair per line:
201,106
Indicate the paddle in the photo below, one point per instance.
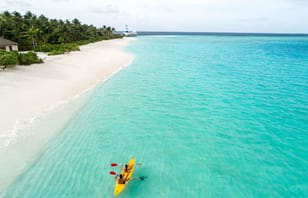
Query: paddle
141,178
112,173
115,164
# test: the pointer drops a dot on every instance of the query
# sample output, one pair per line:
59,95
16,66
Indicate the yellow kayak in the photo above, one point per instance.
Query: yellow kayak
119,187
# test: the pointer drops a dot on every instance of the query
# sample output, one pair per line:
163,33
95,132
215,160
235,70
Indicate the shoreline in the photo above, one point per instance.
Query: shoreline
60,77
34,94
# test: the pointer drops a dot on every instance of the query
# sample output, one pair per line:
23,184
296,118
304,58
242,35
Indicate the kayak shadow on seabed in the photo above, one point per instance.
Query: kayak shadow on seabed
136,186
141,178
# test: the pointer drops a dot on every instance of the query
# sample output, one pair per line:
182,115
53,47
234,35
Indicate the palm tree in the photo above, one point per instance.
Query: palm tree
32,34
31,31
109,31
5,19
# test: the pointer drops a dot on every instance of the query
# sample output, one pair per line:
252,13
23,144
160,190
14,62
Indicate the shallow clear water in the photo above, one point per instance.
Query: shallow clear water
207,116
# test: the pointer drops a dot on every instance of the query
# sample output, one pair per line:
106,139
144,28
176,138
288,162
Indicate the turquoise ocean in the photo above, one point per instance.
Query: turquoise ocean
206,115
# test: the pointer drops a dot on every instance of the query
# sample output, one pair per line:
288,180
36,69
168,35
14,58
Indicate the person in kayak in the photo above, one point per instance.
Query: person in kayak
121,180
126,168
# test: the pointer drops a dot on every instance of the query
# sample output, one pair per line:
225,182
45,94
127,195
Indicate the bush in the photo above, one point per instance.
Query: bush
84,42
44,48
28,58
8,59
55,49
55,52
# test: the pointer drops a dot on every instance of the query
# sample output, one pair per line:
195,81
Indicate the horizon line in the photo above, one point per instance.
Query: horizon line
230,33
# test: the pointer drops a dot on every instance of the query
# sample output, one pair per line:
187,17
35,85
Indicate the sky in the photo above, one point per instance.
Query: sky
260,16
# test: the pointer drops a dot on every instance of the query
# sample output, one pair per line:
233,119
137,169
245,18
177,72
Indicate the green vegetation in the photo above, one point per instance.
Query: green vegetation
15,58
28,58
50,35
55,49
38,33
8,59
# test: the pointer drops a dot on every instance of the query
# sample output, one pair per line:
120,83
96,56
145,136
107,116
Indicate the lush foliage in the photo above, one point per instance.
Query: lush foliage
15,58
55,49
8,58
28,58
34,32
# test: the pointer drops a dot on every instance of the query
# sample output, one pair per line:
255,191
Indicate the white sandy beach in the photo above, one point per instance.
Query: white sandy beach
27,91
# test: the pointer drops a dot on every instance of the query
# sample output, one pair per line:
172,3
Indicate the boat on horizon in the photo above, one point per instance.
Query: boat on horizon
128,33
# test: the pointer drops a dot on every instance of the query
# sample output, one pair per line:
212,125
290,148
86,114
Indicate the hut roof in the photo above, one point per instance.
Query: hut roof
5,42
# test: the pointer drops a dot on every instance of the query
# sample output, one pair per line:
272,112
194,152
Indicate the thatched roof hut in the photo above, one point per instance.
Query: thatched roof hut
8,45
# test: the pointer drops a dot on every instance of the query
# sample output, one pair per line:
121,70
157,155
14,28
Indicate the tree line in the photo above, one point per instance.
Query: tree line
31,31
